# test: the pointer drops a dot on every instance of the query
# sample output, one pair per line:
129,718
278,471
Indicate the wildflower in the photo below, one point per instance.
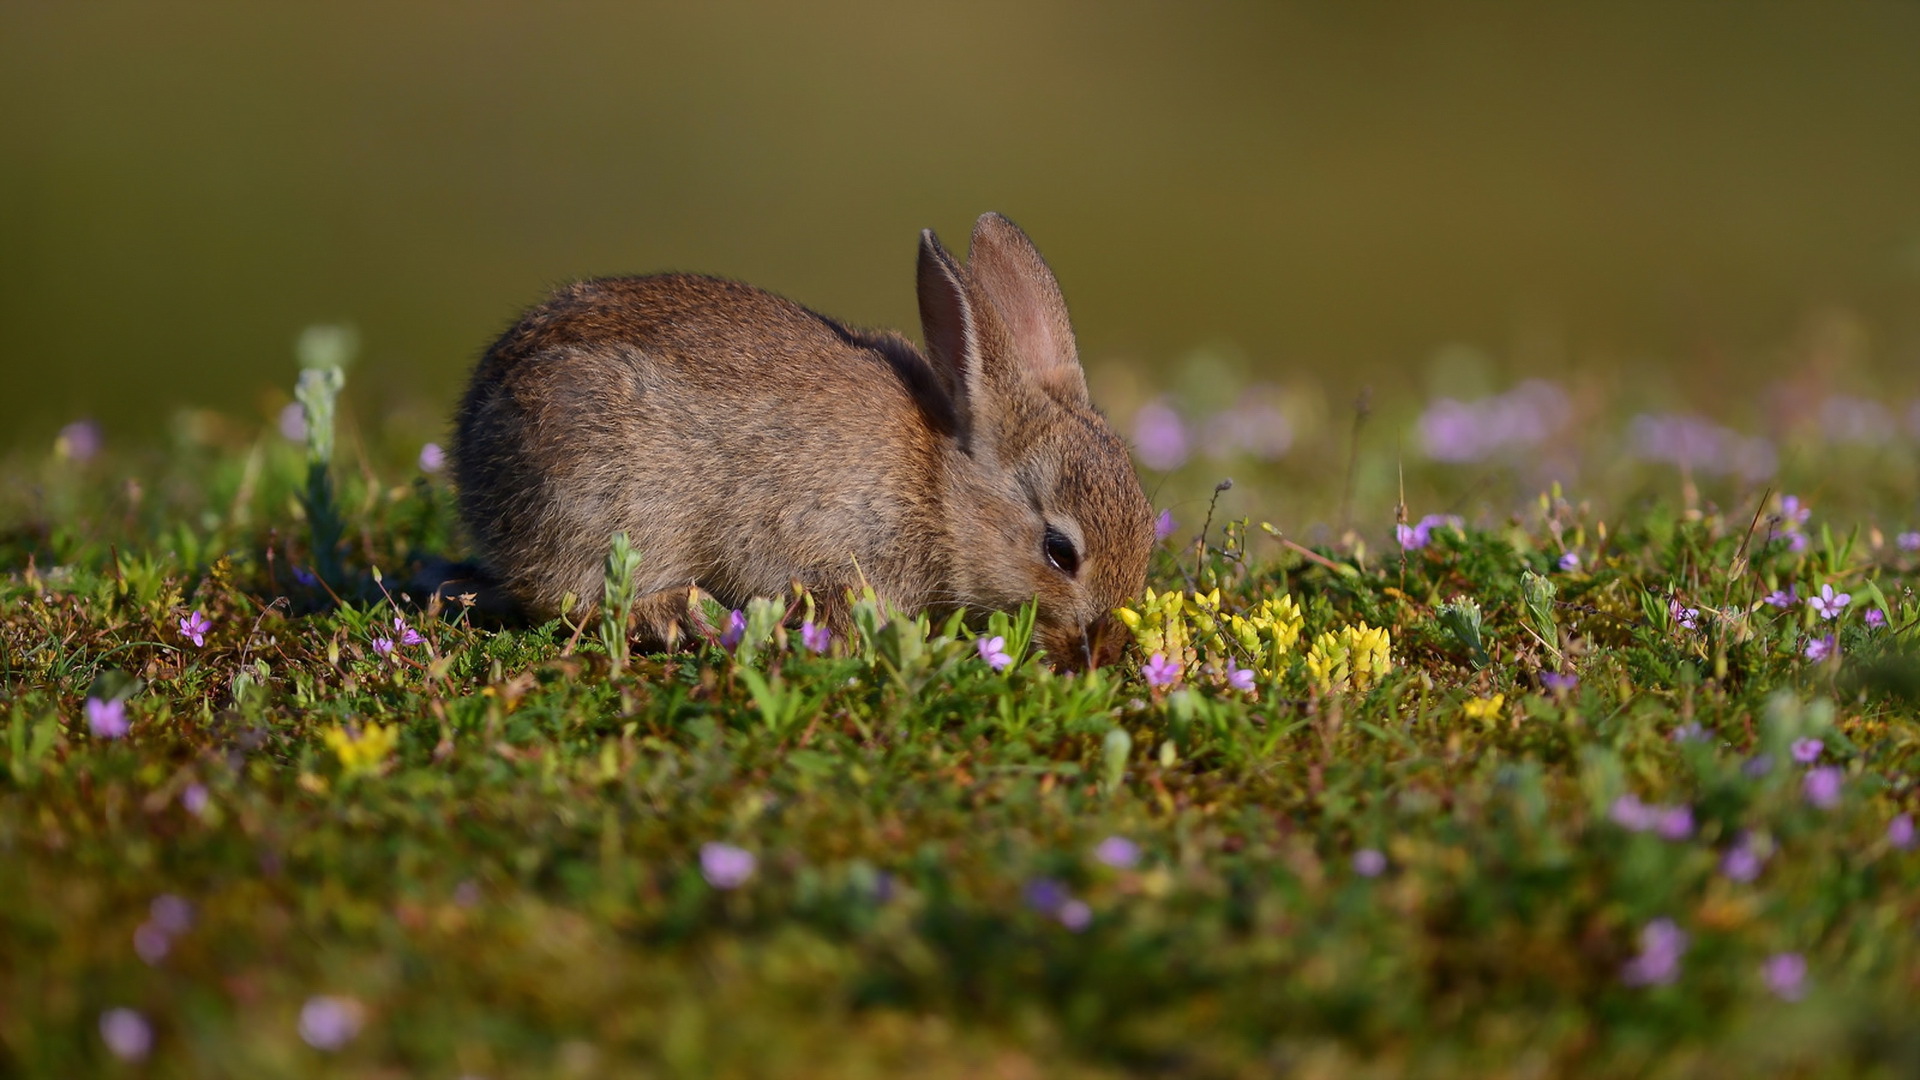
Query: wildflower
815,637
151,943
1691,731
1820,648
1559,682
1045,895
1075,915
736,630
1268,633
1900,832
1830,604
383,646
293,422
127,1034
1685,616
1674,823
1821,786
1658,963
362,750
1369,862
994,651
432,458
1757,766
1485,709
1742,862
1785,974
1239,678
305,577
1792,513
107,719
1420,534
1118,852
1907,541
407,634
194,628
1354,659
1807,751
1631,814
78,442
1163,526
328,1022
1569,562
1783,598
172,914
194,799
1160,671
1876,618
1797,542
1160,437
1409,539
726,866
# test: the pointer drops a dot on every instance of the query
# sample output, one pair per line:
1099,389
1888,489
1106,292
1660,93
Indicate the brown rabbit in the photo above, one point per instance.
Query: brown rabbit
745,443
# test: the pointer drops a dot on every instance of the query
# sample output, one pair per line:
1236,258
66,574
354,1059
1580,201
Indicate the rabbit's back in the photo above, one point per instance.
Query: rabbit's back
742,441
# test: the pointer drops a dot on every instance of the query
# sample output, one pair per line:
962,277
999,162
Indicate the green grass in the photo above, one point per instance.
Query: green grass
517,890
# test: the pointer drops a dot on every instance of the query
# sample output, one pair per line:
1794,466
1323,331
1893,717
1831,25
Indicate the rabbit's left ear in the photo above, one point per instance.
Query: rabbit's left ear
953,329
1010,274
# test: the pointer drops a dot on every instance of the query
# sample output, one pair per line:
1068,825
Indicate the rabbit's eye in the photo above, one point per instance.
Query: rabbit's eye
1060,552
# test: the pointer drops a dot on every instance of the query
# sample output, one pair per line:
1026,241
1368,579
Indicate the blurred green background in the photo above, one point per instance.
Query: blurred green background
1667,196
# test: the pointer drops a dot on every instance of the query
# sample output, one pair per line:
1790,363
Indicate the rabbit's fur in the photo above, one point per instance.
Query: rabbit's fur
745,444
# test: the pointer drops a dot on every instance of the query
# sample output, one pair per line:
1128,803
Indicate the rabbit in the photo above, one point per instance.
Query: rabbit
746,444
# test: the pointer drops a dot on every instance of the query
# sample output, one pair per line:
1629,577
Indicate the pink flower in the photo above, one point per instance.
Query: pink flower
1075,915
726,866
1369,862
407,634
1907,541
383,646
1786,974
1163,526
1784,598
1830,604
1807,751
1569,561
1822,785
1876,618
1661,945
1118,852
432,458
1160,671
127,1034
293,422
194,628
79,441
1900,832
815,637
1741,862
328,1022
1685,616
107,719
1675,823
1820,648
736,630
1239,678
195,799
994,651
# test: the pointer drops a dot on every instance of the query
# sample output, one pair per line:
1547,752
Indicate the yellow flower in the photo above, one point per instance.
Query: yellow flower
362,750
1353,659
1486,709
1268,633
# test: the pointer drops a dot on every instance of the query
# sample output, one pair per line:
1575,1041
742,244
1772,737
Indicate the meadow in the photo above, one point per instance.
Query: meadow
1540,779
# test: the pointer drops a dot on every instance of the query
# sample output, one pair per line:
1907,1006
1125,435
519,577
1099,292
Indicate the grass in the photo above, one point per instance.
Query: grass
509,854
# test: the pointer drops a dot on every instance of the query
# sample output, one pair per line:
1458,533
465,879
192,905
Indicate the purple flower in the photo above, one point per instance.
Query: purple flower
1830,604
151,943
1160,671
79,441
1369,862
1559,682
1807,751
1900,832
994,651
1757,766
194,799
1792,513
1075,915
1691,731
1820,648
1163,526
1797,542
107,719
1907,541
293,422
1160,437
1685,616
1784,598
1239,678
1045,895
1741,862
432,458
194,628
1821,786
1118,852
127,1034
407,634
172,914
1631,814
1785,974
1876,618
383,646
725,866
1658,963
305,577
1674,823
736,630
1410,537
815,637
328,1022
1570,561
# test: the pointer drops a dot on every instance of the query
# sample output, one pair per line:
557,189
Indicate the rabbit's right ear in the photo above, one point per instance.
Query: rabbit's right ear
948,319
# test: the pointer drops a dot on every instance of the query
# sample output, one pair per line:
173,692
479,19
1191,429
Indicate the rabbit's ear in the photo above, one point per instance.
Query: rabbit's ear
947,318
1010,274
